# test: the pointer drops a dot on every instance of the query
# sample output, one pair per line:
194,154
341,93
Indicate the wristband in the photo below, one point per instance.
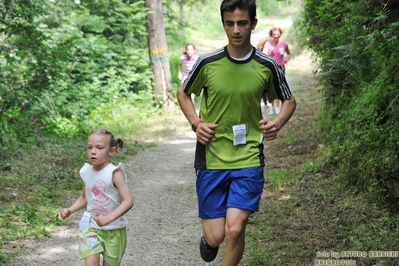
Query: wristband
194,126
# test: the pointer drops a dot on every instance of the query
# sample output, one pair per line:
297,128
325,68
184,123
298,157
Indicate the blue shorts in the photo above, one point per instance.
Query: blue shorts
218,190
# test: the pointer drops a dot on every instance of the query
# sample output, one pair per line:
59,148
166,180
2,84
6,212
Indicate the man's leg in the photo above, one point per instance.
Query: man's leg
236,222
213,236
212,197
213,230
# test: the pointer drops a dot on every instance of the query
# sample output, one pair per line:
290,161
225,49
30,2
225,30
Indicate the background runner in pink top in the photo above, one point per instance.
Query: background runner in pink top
186,63
277,49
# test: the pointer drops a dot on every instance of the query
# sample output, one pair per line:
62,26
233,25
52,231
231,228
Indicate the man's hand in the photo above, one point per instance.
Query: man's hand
205,132
269,129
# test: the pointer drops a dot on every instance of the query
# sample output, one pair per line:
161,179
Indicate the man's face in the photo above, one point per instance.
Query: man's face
238,27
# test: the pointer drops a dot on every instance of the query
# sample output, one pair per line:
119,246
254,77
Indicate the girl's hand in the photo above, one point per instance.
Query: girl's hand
102,220
271,52
65,213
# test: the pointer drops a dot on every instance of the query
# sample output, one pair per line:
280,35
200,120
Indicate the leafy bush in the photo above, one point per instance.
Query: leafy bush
63,63
355,44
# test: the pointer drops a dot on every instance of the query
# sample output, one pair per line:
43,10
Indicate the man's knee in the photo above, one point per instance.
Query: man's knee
235,231
236,224
214,231
215,240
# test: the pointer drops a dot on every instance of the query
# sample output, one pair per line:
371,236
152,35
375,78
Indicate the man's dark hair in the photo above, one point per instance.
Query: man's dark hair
231,5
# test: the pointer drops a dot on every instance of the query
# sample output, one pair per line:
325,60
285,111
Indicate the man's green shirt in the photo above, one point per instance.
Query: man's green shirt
231,95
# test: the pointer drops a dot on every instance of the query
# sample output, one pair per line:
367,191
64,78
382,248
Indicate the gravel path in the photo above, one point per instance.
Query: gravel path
163,229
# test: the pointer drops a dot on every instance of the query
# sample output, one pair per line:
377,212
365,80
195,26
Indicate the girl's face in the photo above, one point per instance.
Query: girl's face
98,151
190,50
276,35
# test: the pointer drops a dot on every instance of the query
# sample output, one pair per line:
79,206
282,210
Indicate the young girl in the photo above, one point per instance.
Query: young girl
186,63
107,197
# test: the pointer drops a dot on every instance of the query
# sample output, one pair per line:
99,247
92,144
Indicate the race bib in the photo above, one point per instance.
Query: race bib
240,134
84,223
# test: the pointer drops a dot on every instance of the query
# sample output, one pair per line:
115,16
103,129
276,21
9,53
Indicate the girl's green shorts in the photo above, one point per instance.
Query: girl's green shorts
110,243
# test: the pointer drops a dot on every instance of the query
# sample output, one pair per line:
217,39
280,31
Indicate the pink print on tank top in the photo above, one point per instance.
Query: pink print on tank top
99,198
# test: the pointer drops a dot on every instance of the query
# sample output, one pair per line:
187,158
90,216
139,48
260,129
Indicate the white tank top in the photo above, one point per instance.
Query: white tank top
101,194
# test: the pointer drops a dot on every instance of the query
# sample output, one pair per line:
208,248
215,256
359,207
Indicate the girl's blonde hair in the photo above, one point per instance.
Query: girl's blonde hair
275,28
114,142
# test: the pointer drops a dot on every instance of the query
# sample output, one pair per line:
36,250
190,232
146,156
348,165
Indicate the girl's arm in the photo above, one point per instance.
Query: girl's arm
79,204
179,70
287,50
266,49
261,46
126,204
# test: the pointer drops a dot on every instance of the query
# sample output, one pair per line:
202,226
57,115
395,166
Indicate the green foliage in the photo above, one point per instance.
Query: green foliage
279,178
19,218
356,47
4,257
26,69
67,65
268,7
200,20
64,63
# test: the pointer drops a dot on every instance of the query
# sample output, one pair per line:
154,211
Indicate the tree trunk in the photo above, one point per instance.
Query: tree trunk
158,50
